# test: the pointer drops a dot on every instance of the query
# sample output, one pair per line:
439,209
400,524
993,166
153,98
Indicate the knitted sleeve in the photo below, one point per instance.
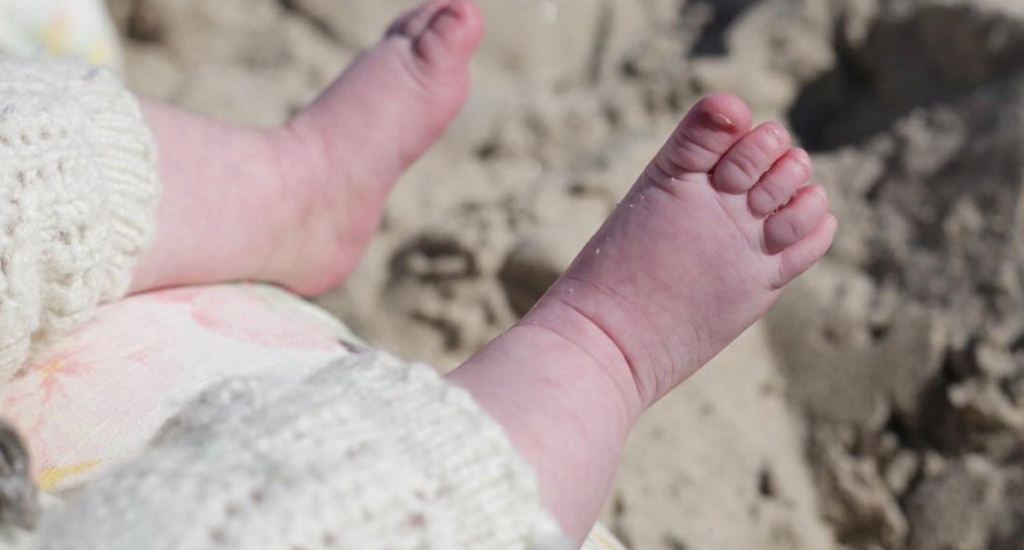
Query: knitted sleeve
368,454
78,187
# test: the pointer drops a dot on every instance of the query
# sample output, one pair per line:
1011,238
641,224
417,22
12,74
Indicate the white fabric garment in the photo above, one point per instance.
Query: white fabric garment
78,192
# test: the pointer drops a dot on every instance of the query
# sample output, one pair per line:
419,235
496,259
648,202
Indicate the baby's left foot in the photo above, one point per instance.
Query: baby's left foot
350,147
297,206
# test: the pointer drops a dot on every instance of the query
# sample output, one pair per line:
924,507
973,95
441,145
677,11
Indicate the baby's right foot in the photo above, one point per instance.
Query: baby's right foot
698,250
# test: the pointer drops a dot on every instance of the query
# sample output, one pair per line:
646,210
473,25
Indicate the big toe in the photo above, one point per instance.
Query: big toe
705,135
444,33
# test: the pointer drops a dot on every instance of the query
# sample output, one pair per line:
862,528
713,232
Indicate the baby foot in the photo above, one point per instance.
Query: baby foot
347,150
297,205
700,247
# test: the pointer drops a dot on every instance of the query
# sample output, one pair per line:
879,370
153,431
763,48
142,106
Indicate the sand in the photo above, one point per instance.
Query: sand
881,406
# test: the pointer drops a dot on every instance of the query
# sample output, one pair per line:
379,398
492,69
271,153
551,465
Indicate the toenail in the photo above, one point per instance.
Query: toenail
803,156
774,134
833,224
803,160
803,170
722,121
820,194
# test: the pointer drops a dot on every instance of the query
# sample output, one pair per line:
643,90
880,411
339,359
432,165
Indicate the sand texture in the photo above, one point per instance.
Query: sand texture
881,406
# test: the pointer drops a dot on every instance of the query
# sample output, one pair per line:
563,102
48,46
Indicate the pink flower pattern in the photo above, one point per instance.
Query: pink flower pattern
95,397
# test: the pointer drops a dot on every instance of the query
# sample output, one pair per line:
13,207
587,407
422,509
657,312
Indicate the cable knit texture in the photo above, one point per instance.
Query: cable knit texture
78,191
369,453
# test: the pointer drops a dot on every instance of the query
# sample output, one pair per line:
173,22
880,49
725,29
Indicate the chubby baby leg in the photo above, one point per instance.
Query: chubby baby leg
699,249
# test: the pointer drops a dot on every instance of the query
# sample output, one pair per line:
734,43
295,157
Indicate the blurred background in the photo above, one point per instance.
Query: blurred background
881,406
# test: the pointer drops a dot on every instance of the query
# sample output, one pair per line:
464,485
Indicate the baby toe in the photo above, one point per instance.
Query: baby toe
452,35
707,132
415,21
745,164
802,256
777,187
796,220
443,33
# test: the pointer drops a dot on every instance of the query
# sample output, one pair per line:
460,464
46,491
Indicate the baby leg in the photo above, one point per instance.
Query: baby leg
698,250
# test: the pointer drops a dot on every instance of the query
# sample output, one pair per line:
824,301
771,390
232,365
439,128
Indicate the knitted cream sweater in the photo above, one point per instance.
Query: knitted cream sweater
77,194
369,453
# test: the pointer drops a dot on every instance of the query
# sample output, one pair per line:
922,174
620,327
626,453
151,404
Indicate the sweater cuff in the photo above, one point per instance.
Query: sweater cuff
78,190
125,156
369,453
481,491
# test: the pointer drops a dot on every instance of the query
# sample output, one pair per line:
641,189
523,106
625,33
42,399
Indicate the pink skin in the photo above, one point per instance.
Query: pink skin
686,263
297,205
